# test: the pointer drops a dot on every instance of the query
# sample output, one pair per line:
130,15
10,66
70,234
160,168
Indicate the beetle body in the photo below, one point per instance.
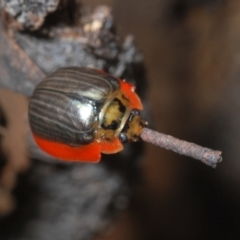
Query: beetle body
76,113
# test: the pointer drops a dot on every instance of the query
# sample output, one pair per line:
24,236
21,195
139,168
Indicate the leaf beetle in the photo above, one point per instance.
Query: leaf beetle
77,113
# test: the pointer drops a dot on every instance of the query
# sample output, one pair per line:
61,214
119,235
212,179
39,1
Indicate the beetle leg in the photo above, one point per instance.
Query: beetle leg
129,92
113,146
89,153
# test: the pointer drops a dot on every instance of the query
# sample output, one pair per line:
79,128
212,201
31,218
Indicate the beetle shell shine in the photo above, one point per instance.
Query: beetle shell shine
65,105
78,111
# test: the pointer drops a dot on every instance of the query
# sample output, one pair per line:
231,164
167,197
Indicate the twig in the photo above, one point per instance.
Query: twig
205,155
18,72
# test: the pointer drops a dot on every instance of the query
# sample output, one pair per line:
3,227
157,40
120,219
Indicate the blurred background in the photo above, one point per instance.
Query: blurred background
192,56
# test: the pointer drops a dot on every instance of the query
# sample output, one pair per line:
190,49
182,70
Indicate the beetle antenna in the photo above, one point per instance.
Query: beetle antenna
205,155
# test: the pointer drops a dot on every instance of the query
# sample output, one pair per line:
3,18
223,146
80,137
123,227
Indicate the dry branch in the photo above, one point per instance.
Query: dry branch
205,155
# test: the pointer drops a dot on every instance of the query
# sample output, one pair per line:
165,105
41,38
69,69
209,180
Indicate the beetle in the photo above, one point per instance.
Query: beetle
77,113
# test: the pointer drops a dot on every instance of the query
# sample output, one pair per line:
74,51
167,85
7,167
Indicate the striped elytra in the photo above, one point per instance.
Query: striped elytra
75,113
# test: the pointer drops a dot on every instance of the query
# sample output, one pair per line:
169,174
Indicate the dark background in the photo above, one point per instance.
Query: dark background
192,54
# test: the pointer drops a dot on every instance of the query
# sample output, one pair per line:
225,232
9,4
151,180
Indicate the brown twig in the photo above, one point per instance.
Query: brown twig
18,72
205,155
